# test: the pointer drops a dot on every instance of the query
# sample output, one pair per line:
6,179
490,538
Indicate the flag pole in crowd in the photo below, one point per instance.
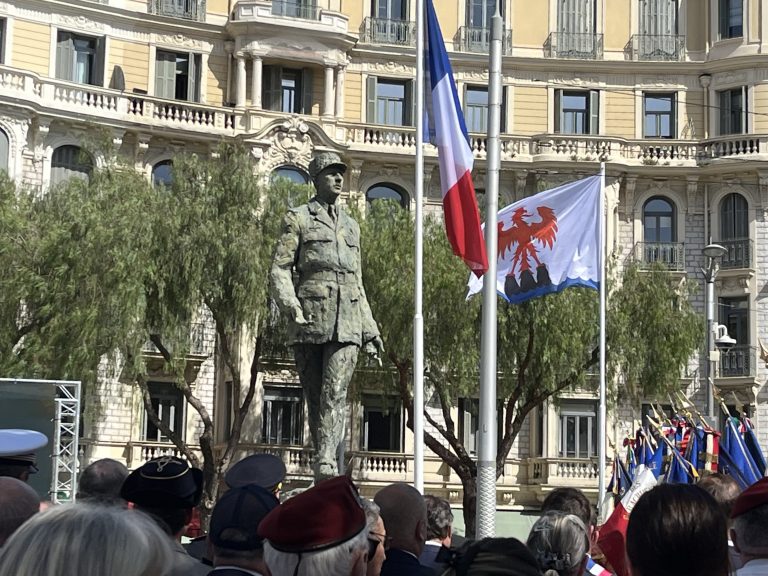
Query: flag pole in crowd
418,318
486,460
602,424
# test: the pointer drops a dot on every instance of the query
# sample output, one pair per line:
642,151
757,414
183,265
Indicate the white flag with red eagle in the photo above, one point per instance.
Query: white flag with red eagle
548,242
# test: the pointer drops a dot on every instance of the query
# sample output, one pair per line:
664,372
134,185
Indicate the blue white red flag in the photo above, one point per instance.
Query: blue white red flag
448,132
549,242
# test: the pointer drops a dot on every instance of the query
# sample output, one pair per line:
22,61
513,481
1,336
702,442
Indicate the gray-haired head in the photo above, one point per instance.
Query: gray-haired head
560,543
439,518
324,160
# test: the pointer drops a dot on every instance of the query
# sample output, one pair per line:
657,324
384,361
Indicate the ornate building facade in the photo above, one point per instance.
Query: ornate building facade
671,94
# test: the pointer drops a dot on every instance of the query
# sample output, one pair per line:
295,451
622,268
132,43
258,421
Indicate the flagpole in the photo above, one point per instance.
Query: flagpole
418,319
486,459
603,427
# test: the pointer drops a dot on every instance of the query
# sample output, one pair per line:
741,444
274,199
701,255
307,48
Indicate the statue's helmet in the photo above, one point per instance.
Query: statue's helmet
323,161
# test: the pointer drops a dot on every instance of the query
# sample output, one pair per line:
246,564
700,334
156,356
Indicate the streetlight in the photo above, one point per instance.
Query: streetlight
713,253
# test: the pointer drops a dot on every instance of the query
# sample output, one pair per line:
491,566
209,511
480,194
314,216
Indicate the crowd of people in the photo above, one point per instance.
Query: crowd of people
131,524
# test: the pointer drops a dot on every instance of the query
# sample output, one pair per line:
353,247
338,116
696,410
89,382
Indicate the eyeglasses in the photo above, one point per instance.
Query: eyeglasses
373,543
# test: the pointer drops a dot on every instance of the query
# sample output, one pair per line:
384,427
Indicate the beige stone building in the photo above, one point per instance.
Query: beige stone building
671,94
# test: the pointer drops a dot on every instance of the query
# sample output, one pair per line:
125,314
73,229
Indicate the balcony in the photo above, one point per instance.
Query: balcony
563,471
478,39
573,45
739,254
382,31
303,10
738,362
196,341
186,9
670,254
740,146
655,47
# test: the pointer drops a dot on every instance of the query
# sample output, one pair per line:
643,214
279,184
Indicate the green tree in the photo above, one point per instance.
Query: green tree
545,346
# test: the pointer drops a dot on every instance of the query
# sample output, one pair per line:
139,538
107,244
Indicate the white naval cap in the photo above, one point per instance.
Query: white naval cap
17,446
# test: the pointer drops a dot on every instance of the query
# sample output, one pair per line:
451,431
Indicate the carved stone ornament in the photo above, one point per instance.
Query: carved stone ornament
629,197
80,23
181,41
291,144
692,187
763,183
390,68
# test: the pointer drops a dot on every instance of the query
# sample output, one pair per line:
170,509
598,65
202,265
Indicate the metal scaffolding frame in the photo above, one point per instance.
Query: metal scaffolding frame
64,449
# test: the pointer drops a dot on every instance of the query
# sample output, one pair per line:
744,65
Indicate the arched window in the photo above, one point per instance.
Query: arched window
162,173
660,234
292,173
4,148
387,191
70,162
734,217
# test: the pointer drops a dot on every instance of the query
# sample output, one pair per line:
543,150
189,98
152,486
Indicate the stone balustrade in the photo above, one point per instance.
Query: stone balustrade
563,471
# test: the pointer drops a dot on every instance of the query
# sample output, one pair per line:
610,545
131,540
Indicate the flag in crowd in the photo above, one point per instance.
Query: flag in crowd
548,242
448,132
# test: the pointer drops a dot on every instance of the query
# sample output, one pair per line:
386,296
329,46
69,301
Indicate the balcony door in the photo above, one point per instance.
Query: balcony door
658,28
576,28
659,232
390,9
479,13
734,231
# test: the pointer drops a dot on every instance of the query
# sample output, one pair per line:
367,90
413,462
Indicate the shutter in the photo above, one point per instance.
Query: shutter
306,91
725,109
558,111
65,57
165,75
97,74
194,75
370,96
271,92
744,110
594,111
409,103
723,13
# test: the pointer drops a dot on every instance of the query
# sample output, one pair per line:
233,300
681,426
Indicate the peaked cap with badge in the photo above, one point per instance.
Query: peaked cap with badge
18,446
165,482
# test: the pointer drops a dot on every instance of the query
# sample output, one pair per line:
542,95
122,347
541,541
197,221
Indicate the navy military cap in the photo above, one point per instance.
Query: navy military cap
166,482
265,470
17,447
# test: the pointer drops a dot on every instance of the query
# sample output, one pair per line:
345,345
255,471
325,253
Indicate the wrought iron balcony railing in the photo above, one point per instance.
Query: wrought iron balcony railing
670,254
302,9
478,39
738,362
581,46
187,9
658,47
739,253
385,31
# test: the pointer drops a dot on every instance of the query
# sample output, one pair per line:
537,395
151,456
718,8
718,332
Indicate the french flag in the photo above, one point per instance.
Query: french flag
448,132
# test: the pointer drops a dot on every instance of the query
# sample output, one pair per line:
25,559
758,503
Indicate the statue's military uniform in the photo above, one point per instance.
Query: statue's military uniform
320,248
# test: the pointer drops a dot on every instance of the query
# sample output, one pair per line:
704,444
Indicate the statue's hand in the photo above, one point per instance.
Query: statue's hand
298,317
375,349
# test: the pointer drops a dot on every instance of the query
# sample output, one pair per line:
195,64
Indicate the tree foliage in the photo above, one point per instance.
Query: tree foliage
545,346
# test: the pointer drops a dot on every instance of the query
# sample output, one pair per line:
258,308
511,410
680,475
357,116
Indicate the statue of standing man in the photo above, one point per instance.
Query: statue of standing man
317,282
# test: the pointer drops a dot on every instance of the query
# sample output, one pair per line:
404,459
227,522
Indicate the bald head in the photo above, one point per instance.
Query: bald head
101,481
18,503
404,513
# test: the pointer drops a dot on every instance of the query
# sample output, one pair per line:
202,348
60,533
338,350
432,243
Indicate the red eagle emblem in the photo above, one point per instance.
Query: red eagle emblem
525,234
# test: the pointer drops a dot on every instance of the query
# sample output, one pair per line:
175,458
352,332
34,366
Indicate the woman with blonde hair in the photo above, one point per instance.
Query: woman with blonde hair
560,543
87,540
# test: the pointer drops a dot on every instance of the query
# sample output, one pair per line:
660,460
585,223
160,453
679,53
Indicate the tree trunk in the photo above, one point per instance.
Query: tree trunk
469,503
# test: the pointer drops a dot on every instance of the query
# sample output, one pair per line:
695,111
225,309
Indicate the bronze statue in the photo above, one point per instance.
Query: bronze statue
328,312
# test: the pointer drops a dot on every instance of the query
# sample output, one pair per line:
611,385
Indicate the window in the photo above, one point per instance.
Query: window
479,13
659,221
80,58
577,111
659,113
390,9
177,76
306,9
731,18
382,424
162,173
287,90
387,192
733,313
168,402
3,35
69,162
578,429
733,111
476,108
4,150
283,416
469,420
390,102
292,174
188,9
734,217
576,29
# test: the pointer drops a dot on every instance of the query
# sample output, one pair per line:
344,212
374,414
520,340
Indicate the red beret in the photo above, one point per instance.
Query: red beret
322,517
753,497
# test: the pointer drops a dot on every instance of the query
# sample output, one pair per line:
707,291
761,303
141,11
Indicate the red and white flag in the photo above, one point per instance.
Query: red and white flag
448,132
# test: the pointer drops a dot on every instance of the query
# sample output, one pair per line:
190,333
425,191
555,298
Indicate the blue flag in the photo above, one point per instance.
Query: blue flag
677,473
753,446
736,459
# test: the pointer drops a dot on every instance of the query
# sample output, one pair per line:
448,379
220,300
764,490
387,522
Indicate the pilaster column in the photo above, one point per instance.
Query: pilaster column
256,78
240,92
229,48
328,101
340,72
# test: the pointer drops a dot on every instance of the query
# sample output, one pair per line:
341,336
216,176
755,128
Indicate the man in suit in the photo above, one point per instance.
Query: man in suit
238,550
439,532
317,283
404,513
